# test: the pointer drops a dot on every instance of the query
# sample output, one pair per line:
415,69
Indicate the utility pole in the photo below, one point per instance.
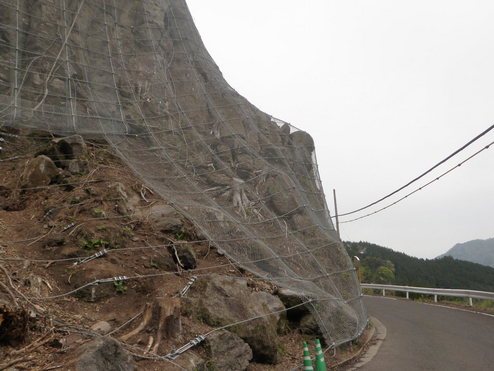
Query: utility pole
356,264
336,214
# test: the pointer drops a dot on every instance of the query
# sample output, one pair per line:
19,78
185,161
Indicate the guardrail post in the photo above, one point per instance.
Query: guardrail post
384,292
470,302
435,298
408,296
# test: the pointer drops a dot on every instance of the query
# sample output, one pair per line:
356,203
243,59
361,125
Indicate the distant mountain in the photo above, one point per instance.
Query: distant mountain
476,251
382,265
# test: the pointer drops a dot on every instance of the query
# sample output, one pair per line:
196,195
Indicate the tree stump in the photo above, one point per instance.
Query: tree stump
171,314
163,314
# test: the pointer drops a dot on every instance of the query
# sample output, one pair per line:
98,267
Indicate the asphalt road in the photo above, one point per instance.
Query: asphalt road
429,337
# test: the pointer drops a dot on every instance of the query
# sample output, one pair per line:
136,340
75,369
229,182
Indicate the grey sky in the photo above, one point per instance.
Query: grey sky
387,88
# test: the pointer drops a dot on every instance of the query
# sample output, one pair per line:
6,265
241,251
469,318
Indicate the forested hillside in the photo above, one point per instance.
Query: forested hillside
476,251
383,265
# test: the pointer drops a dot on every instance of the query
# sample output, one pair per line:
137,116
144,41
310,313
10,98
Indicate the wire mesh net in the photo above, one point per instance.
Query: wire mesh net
137,74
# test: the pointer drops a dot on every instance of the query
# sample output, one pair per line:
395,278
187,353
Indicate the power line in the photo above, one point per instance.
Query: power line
420,188
420,176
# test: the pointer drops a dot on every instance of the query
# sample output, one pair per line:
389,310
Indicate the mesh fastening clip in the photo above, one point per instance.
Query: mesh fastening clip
113,279
186,347
49,212
67,227
92,257
184,291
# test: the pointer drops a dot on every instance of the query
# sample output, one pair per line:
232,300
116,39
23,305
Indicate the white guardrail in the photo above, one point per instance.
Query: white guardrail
470,294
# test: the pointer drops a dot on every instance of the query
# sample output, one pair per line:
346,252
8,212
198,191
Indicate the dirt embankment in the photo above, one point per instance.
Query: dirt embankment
49,226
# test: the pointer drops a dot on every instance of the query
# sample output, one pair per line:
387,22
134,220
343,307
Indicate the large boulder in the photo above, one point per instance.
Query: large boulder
104,355
222,300
309,325
302,139
280,196
38,172
290,299
300,316
276,306
272,302
69,153
189,361
228,352
70,147
164,217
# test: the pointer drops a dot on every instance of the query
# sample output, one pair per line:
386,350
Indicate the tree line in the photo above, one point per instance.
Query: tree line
383,265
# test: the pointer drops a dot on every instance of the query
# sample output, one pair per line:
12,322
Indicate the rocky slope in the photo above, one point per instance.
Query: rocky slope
135,79
71,214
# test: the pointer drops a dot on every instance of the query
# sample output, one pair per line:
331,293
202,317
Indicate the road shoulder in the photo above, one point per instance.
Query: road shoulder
368,352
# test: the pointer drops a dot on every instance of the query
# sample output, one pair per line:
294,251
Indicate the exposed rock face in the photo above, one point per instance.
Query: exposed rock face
228,352
308,325
293,299
163,216
274,304
299,317
137,74
104,355
191,361
222,300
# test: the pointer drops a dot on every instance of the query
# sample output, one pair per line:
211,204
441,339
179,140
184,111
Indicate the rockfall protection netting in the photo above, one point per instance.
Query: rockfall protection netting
137,74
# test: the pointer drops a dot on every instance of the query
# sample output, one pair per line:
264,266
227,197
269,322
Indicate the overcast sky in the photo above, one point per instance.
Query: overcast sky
387,89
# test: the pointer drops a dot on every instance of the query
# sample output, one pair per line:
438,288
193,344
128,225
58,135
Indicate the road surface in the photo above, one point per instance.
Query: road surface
428,337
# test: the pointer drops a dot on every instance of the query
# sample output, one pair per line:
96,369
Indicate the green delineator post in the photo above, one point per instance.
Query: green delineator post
320,363
307,361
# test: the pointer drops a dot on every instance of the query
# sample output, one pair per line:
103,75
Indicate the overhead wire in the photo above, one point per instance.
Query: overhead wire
418,177
422,187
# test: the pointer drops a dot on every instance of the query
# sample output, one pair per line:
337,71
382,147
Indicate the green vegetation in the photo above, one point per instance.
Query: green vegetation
100,213
382,265
180,236
95,243
127,231
120,287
